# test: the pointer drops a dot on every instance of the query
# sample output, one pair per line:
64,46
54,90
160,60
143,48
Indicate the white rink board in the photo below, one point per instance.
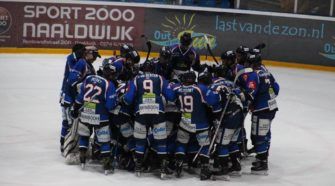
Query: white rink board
303,132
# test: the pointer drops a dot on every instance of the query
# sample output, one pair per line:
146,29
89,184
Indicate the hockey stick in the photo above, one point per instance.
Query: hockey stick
239,73
148,43
209,49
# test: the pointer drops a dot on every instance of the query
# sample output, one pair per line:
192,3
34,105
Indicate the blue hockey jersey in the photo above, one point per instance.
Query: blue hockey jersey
192,103
146,91
182,61
80,71
262,90
98,97
70,62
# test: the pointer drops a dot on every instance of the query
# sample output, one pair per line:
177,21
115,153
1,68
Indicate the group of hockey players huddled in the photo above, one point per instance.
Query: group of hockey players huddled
167,114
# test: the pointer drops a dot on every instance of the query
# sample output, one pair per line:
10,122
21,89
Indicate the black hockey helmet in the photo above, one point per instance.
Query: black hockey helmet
186,39
242,54
255,51
125,49
220,71
92,50
165,52
242,50
77,47
228,57
188,78
78,50
147,66
133,56
254,60
110,70
205,77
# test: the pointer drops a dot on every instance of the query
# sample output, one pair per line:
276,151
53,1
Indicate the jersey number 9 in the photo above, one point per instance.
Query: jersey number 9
148,86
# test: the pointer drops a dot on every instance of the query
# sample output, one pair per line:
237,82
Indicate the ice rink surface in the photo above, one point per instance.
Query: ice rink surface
302,147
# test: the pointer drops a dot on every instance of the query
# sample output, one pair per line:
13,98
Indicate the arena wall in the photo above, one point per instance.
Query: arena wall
53,27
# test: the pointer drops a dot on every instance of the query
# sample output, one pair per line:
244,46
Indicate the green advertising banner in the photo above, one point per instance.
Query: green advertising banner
287,39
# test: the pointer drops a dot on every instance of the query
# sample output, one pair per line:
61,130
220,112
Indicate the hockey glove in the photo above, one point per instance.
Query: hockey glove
74,114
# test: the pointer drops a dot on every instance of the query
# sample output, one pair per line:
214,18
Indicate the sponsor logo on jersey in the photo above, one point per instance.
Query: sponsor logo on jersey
252,85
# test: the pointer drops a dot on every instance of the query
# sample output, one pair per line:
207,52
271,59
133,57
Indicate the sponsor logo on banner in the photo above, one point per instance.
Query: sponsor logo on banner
329,49
62,25
173,27
5,24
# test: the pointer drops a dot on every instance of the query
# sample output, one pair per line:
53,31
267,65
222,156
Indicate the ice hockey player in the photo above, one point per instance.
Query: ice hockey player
228,61
261,89
128,62
146,91
234,64
122,128
184,56
194,122
77,53
242,53
221,95
82,68
162,65
97,98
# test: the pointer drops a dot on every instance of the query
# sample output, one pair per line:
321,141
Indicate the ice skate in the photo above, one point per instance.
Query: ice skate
260,167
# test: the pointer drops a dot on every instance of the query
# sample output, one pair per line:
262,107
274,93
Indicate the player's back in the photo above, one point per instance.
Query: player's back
94,93
192,104
265,90
149,89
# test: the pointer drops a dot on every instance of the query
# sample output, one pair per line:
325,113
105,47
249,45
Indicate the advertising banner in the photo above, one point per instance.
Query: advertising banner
60,25
56,25
287,39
